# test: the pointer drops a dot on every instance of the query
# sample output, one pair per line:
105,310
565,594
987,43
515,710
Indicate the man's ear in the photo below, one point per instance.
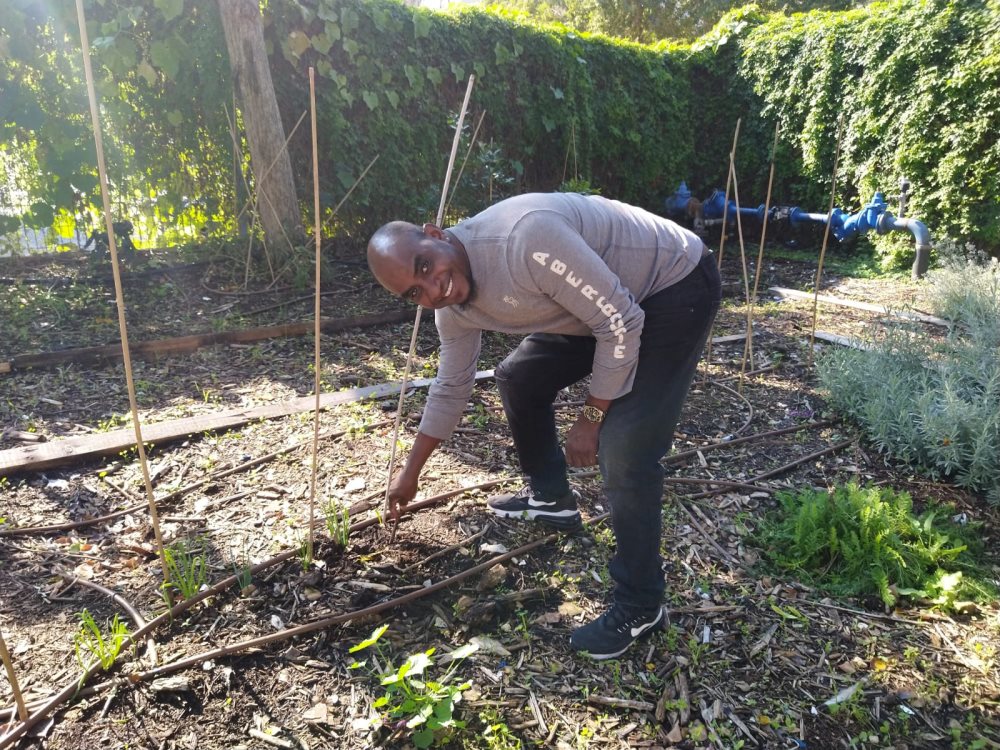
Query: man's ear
433,231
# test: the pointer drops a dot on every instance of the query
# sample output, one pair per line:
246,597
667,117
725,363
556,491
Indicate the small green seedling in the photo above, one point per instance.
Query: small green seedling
91,641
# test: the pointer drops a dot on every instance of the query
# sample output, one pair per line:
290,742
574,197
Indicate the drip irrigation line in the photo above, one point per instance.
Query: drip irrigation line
780,469
282,635
676,457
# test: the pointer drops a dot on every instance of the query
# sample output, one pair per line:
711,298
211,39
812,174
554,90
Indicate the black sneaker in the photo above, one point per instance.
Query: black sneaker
613,632
560,512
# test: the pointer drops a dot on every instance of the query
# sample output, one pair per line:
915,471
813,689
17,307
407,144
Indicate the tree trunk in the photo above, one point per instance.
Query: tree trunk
276,200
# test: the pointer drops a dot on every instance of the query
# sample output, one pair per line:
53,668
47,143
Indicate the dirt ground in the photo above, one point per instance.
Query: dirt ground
748,660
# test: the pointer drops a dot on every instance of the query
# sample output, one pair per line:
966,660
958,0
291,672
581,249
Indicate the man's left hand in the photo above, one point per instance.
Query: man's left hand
582,442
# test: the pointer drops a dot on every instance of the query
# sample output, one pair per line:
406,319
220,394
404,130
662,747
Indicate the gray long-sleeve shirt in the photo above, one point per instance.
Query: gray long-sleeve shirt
556,263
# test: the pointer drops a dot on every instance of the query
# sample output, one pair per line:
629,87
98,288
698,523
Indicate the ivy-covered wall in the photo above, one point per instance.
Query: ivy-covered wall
558,105
917,83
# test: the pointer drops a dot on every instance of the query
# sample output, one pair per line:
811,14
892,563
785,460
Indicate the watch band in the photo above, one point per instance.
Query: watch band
593,414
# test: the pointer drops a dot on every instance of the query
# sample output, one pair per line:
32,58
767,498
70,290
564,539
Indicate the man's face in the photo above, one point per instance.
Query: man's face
432,271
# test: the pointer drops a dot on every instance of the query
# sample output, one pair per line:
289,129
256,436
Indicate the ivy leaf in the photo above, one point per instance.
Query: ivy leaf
39,215
349,20
423,738
298,43
421,26
327,13
458,71
324,68
333,31
175,118
164,56
147,71
413,76
549,124
370,98
557,93
102,42
434,75
169,8
322,43
351,47
393,98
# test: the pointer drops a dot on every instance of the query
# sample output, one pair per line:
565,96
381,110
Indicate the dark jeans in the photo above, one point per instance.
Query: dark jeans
639,427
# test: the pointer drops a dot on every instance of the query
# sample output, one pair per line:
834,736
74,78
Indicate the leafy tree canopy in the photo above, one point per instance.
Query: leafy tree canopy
650,22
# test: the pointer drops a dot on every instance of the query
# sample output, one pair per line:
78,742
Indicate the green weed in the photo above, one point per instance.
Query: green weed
338,523
187,569
90,640
412,703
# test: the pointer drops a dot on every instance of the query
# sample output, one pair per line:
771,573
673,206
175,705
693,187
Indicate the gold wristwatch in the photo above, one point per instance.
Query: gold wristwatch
593,414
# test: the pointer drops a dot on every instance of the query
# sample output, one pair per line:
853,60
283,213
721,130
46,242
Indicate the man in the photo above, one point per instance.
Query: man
600,288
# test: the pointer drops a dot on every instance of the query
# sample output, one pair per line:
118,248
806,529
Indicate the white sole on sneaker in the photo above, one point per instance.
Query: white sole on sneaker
636,634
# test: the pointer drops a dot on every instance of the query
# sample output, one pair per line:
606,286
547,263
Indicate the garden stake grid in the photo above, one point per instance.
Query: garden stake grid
826,238
725,214
141,634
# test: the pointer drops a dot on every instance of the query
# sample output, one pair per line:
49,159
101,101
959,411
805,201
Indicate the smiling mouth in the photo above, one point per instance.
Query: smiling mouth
451,285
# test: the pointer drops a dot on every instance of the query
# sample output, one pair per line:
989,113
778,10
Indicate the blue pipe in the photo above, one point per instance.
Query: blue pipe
843,226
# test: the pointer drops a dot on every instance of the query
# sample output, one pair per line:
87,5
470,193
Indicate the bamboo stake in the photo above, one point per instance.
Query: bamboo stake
725,214
746,278
317,235
416,321
468,152
22,710
119,296
826,237
748,348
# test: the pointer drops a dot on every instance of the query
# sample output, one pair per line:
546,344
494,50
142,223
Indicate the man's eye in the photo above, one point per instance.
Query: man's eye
412,295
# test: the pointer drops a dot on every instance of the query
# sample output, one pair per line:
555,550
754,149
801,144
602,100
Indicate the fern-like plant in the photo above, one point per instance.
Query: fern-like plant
866,542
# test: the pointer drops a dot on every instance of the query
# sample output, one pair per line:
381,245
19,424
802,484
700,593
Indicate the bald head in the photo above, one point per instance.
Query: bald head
421,264
392,244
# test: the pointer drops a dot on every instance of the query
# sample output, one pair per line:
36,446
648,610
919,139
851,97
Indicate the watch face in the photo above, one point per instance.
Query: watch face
593,414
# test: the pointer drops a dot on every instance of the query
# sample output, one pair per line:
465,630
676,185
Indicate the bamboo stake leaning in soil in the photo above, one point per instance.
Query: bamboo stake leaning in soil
8,664
119,296
416,320
826,236
317,363
725,215
748,347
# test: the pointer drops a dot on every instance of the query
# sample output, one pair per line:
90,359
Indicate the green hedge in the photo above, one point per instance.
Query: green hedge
392,80
917,83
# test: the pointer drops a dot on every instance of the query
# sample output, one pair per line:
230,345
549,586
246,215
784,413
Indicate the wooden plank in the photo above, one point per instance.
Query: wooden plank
60,452
836,338
867,306
180,344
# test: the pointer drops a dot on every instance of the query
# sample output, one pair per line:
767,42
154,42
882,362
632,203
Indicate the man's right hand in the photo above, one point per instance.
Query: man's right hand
401,492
